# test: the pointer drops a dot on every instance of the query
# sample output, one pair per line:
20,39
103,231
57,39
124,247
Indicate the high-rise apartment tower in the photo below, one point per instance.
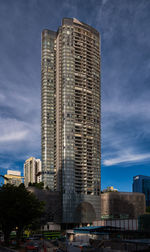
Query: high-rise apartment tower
32,171
71,118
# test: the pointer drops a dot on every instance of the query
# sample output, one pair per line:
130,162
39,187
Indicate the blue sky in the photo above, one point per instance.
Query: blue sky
125,76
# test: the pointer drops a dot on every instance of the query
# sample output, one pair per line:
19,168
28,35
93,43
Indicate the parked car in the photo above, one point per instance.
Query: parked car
32,246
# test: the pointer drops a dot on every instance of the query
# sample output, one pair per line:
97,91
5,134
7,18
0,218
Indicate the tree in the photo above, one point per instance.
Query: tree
37,185
148,209
18,208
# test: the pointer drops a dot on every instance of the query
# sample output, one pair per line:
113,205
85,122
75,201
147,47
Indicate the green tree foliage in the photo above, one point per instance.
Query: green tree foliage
37,185
18,209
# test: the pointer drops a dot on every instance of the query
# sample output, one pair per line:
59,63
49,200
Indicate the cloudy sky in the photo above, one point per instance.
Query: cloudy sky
125,75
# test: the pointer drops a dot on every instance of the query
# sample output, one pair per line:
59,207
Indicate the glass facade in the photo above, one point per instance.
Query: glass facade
71,115
146,190
48,109
142,184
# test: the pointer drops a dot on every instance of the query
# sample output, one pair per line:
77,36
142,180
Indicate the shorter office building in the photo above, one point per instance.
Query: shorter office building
51,226
106,239
141,184
122,205
32,171
13,177
110,189
123,224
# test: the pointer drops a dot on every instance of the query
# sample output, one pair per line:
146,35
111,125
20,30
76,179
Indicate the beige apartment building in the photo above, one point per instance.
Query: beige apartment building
71,118
32,171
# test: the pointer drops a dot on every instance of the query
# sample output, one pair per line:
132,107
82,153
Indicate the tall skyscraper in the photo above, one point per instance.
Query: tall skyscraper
71,118
32,171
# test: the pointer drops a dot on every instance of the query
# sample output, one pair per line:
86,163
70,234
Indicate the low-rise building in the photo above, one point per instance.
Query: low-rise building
13,177
124,224
110,189
122,205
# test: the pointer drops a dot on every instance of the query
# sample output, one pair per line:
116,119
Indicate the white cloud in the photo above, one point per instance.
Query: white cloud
126,158
128,108
125,126
19,139
14,136
11,129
